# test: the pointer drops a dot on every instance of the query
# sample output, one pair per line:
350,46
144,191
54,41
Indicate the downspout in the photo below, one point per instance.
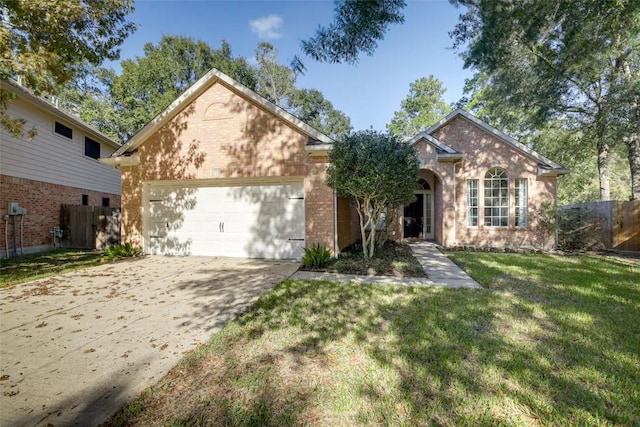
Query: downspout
6,234
335,224
455,204
22,231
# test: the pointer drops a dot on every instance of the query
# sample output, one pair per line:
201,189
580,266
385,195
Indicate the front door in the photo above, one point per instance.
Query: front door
418,217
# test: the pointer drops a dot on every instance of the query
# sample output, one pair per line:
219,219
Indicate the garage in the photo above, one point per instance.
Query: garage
244,221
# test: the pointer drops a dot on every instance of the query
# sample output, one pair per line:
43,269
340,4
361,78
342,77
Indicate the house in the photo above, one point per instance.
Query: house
224,172
59,165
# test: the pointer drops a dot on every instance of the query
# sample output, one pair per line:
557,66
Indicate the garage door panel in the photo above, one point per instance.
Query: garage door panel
247,221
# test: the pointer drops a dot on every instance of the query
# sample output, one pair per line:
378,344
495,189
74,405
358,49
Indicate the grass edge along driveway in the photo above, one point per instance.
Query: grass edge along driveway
550,341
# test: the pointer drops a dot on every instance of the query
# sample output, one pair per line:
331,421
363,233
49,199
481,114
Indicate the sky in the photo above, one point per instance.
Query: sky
368,92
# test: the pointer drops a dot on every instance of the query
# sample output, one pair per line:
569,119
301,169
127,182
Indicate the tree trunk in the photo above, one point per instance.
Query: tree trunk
603,168
363,229
633,144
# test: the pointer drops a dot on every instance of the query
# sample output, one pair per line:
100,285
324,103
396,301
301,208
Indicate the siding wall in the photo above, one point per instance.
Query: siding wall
52,158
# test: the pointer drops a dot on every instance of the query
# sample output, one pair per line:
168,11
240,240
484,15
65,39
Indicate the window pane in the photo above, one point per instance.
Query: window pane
521,202
496,198
472,202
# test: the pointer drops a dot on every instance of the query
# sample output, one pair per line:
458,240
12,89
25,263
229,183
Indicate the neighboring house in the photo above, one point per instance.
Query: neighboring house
58,166
224,172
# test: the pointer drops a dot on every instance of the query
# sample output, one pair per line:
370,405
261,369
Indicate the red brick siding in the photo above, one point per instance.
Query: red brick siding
42,201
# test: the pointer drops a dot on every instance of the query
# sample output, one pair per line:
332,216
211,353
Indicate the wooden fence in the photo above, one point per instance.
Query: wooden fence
618,222
89,227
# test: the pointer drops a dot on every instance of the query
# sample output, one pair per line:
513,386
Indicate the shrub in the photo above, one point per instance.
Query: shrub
316,256
121,251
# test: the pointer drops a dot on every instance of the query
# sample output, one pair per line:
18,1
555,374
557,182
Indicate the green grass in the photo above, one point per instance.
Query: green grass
37,266
393,259
549,341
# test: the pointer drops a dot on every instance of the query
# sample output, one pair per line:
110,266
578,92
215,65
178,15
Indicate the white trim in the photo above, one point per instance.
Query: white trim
226,182
559,170
196,90
433,141
132,160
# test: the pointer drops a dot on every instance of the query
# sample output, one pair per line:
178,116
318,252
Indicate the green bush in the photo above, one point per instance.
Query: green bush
316,256
121,251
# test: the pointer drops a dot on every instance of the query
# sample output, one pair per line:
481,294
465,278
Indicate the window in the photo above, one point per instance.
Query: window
63,130
472,202
91,148
521,202
85,199
105,202
496,198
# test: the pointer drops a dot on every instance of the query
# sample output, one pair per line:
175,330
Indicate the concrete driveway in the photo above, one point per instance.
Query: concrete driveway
74,348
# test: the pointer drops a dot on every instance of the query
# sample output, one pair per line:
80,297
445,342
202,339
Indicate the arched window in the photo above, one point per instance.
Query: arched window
496,198
423,185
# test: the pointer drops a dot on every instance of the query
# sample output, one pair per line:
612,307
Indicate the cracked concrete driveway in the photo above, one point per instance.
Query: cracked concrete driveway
74,348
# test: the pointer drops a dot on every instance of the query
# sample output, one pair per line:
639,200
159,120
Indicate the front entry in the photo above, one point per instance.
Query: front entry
418,217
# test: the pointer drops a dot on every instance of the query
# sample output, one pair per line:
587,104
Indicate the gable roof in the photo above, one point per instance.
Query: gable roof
319,140
443,151
547,166
44,104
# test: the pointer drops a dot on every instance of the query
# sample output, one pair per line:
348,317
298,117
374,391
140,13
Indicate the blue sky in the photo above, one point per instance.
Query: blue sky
368,92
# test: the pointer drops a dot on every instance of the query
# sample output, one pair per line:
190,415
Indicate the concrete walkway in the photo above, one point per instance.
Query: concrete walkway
439,269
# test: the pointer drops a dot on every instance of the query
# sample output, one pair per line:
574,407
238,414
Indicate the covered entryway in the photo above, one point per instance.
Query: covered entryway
244,221
418,216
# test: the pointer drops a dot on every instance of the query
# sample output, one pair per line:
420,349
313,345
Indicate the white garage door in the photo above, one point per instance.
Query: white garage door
257,221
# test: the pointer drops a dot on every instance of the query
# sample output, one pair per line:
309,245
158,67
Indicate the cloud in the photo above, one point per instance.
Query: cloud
267,27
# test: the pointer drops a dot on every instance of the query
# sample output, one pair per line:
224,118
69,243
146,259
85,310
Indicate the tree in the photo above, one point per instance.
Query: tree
422,107
572,58
378,172
274,81
42,41
310,106
125,103
357,27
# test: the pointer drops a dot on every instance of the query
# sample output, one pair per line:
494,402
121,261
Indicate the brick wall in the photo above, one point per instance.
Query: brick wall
42,201
223,135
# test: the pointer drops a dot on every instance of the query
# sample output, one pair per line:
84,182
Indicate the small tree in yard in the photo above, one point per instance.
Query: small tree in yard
378,172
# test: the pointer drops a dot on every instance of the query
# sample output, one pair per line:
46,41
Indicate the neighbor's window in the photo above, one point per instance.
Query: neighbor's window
105,202
63,130
496,198
472,202
521,202
91,148
85,199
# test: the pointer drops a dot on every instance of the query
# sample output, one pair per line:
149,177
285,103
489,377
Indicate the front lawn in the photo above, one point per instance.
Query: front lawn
549,341
37,266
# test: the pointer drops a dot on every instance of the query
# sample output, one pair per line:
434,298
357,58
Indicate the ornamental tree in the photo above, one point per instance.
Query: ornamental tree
378,172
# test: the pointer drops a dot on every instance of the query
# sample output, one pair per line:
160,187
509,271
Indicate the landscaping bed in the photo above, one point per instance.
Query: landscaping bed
393,259
549,341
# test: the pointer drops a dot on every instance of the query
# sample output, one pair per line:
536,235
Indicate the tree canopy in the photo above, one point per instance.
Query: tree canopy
42,42
422,107
378,172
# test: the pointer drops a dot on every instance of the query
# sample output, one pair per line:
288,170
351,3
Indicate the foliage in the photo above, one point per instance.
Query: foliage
572,59
120,105
316,256
378,172
422,107
357,27
310,106
120,250
549,341
274,81
392,259
42,40
38,266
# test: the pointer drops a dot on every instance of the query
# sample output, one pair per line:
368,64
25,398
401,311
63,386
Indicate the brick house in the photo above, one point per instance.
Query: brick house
224,172
58,166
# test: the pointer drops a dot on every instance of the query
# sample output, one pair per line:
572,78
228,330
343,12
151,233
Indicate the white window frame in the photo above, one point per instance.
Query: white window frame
496,198
473,202
521,194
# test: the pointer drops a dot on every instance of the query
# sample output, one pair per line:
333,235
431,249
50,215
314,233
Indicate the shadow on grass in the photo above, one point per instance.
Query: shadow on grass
553,351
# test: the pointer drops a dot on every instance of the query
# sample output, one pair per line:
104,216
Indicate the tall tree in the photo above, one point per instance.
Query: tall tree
422,107
275,82
569,58
149,83
310,106
42,40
